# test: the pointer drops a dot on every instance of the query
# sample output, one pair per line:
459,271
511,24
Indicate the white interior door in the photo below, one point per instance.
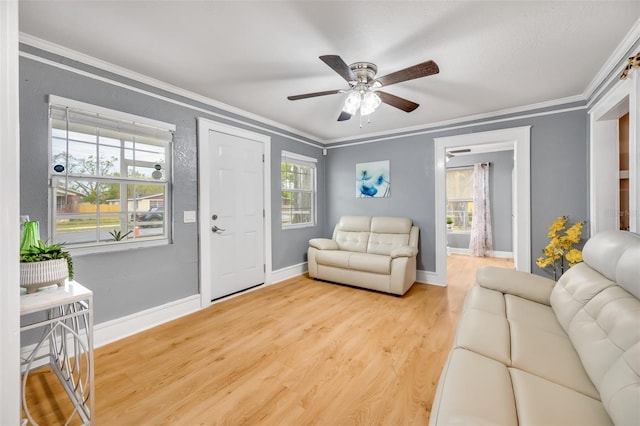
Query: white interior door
236,213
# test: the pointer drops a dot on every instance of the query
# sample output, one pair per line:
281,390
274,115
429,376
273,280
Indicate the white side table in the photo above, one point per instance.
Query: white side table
68,331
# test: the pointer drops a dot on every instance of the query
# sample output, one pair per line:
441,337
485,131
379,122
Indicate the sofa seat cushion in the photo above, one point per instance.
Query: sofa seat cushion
356,261
474,390
477,390
562,406
512,331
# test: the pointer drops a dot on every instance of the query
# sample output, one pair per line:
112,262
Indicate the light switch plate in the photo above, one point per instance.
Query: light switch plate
189,216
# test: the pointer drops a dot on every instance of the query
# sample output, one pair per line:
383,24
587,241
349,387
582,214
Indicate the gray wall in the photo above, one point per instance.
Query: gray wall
129,281
559,177
132,280
499,198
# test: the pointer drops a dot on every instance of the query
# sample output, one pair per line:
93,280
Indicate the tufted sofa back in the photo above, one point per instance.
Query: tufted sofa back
597,304
375,235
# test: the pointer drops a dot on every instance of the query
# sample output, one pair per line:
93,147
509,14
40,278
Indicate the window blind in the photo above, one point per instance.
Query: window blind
75,116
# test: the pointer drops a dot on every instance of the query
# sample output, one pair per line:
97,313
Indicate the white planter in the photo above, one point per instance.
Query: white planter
34,275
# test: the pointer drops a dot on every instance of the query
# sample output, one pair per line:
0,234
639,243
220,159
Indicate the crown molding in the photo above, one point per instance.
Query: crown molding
615,58
595,87
471,120
57,49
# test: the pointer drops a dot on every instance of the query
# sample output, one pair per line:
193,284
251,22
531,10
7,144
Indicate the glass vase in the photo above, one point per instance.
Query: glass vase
30,236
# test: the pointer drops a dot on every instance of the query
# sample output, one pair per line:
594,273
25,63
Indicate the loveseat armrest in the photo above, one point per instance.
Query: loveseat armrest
323,244
405,251
521,284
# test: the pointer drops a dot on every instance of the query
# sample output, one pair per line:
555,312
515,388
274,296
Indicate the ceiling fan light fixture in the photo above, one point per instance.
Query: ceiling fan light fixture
370,102
352,103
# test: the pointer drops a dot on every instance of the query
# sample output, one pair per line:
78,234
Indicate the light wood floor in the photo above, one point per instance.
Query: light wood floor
301,352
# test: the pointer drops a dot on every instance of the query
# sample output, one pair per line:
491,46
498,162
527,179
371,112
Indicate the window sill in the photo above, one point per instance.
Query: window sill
115,247
304,225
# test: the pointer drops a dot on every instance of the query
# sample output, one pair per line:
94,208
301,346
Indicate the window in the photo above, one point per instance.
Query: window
109,175
460,199
298,190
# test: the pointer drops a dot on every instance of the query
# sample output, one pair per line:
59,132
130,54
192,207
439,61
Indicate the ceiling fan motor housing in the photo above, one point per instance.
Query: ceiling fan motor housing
364,71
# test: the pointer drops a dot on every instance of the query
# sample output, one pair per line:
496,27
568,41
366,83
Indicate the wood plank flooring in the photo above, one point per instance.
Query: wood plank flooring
301,352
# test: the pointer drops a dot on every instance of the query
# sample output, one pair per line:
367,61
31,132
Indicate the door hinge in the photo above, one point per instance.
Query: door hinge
263,158
264,267
264,214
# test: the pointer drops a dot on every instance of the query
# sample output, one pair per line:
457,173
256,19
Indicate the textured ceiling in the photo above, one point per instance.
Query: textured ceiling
252,55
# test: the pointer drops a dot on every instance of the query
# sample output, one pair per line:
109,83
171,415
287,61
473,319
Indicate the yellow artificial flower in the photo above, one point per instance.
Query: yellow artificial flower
557,226
573,233
560,247
574,256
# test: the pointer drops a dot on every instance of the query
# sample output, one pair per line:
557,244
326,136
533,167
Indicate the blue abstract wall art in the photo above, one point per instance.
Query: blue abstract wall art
372,180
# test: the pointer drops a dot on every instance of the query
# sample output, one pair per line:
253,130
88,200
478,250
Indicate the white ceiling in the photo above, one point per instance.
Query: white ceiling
251,55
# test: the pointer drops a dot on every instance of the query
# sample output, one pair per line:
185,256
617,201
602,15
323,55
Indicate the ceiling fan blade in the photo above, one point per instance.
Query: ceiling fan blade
398,102
344,116
336,63
313,95
416,71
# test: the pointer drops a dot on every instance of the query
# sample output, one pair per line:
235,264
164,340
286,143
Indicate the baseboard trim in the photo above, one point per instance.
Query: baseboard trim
431,278
466,252
119,328
288,272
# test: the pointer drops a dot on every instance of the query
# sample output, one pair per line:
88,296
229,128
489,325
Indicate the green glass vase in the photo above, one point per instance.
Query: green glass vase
30,236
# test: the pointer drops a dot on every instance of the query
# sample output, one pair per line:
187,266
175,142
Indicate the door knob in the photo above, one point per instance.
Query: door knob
216,229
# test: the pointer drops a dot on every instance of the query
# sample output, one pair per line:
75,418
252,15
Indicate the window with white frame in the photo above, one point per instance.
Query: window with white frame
298,190
110,176
460,199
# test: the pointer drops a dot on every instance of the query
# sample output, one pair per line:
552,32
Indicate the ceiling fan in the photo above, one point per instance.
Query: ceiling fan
363,86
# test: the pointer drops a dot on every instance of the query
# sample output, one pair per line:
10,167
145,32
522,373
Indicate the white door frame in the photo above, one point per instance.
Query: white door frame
519,139
604,184
9,214
204,198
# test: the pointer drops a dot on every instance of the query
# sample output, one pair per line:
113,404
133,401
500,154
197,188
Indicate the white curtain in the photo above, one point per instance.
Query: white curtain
481,243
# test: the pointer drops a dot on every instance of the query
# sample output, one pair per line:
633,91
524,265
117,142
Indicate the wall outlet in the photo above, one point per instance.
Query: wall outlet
189,216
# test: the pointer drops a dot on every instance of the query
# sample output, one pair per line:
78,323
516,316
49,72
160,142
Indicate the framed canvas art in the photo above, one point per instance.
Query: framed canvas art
372,180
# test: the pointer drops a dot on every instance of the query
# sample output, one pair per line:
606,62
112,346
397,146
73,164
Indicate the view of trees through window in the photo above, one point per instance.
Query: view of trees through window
459,199
297,192
109,185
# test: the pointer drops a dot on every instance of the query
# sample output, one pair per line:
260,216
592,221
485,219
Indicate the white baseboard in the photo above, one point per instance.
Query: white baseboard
288,272
119,328
428,277
467,252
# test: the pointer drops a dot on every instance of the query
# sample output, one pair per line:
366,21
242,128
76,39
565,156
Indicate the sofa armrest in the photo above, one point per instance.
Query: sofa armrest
521,284
406,251
323,244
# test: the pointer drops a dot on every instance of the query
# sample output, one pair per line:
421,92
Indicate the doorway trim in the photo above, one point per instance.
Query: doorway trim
623,97
204,197
516,138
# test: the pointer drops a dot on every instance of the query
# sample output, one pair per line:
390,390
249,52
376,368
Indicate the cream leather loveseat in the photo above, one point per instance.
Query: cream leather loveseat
531,352
378,253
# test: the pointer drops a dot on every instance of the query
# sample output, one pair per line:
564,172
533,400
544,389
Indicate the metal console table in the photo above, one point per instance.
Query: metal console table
68,332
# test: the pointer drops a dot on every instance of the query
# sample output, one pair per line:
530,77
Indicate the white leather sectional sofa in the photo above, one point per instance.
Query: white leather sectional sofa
378,253
531,352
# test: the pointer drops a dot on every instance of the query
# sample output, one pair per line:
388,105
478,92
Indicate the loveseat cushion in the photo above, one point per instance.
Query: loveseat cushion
352,233
387,234
355,261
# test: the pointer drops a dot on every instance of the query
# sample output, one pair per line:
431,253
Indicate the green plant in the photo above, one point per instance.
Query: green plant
449,220
118,235
42,252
